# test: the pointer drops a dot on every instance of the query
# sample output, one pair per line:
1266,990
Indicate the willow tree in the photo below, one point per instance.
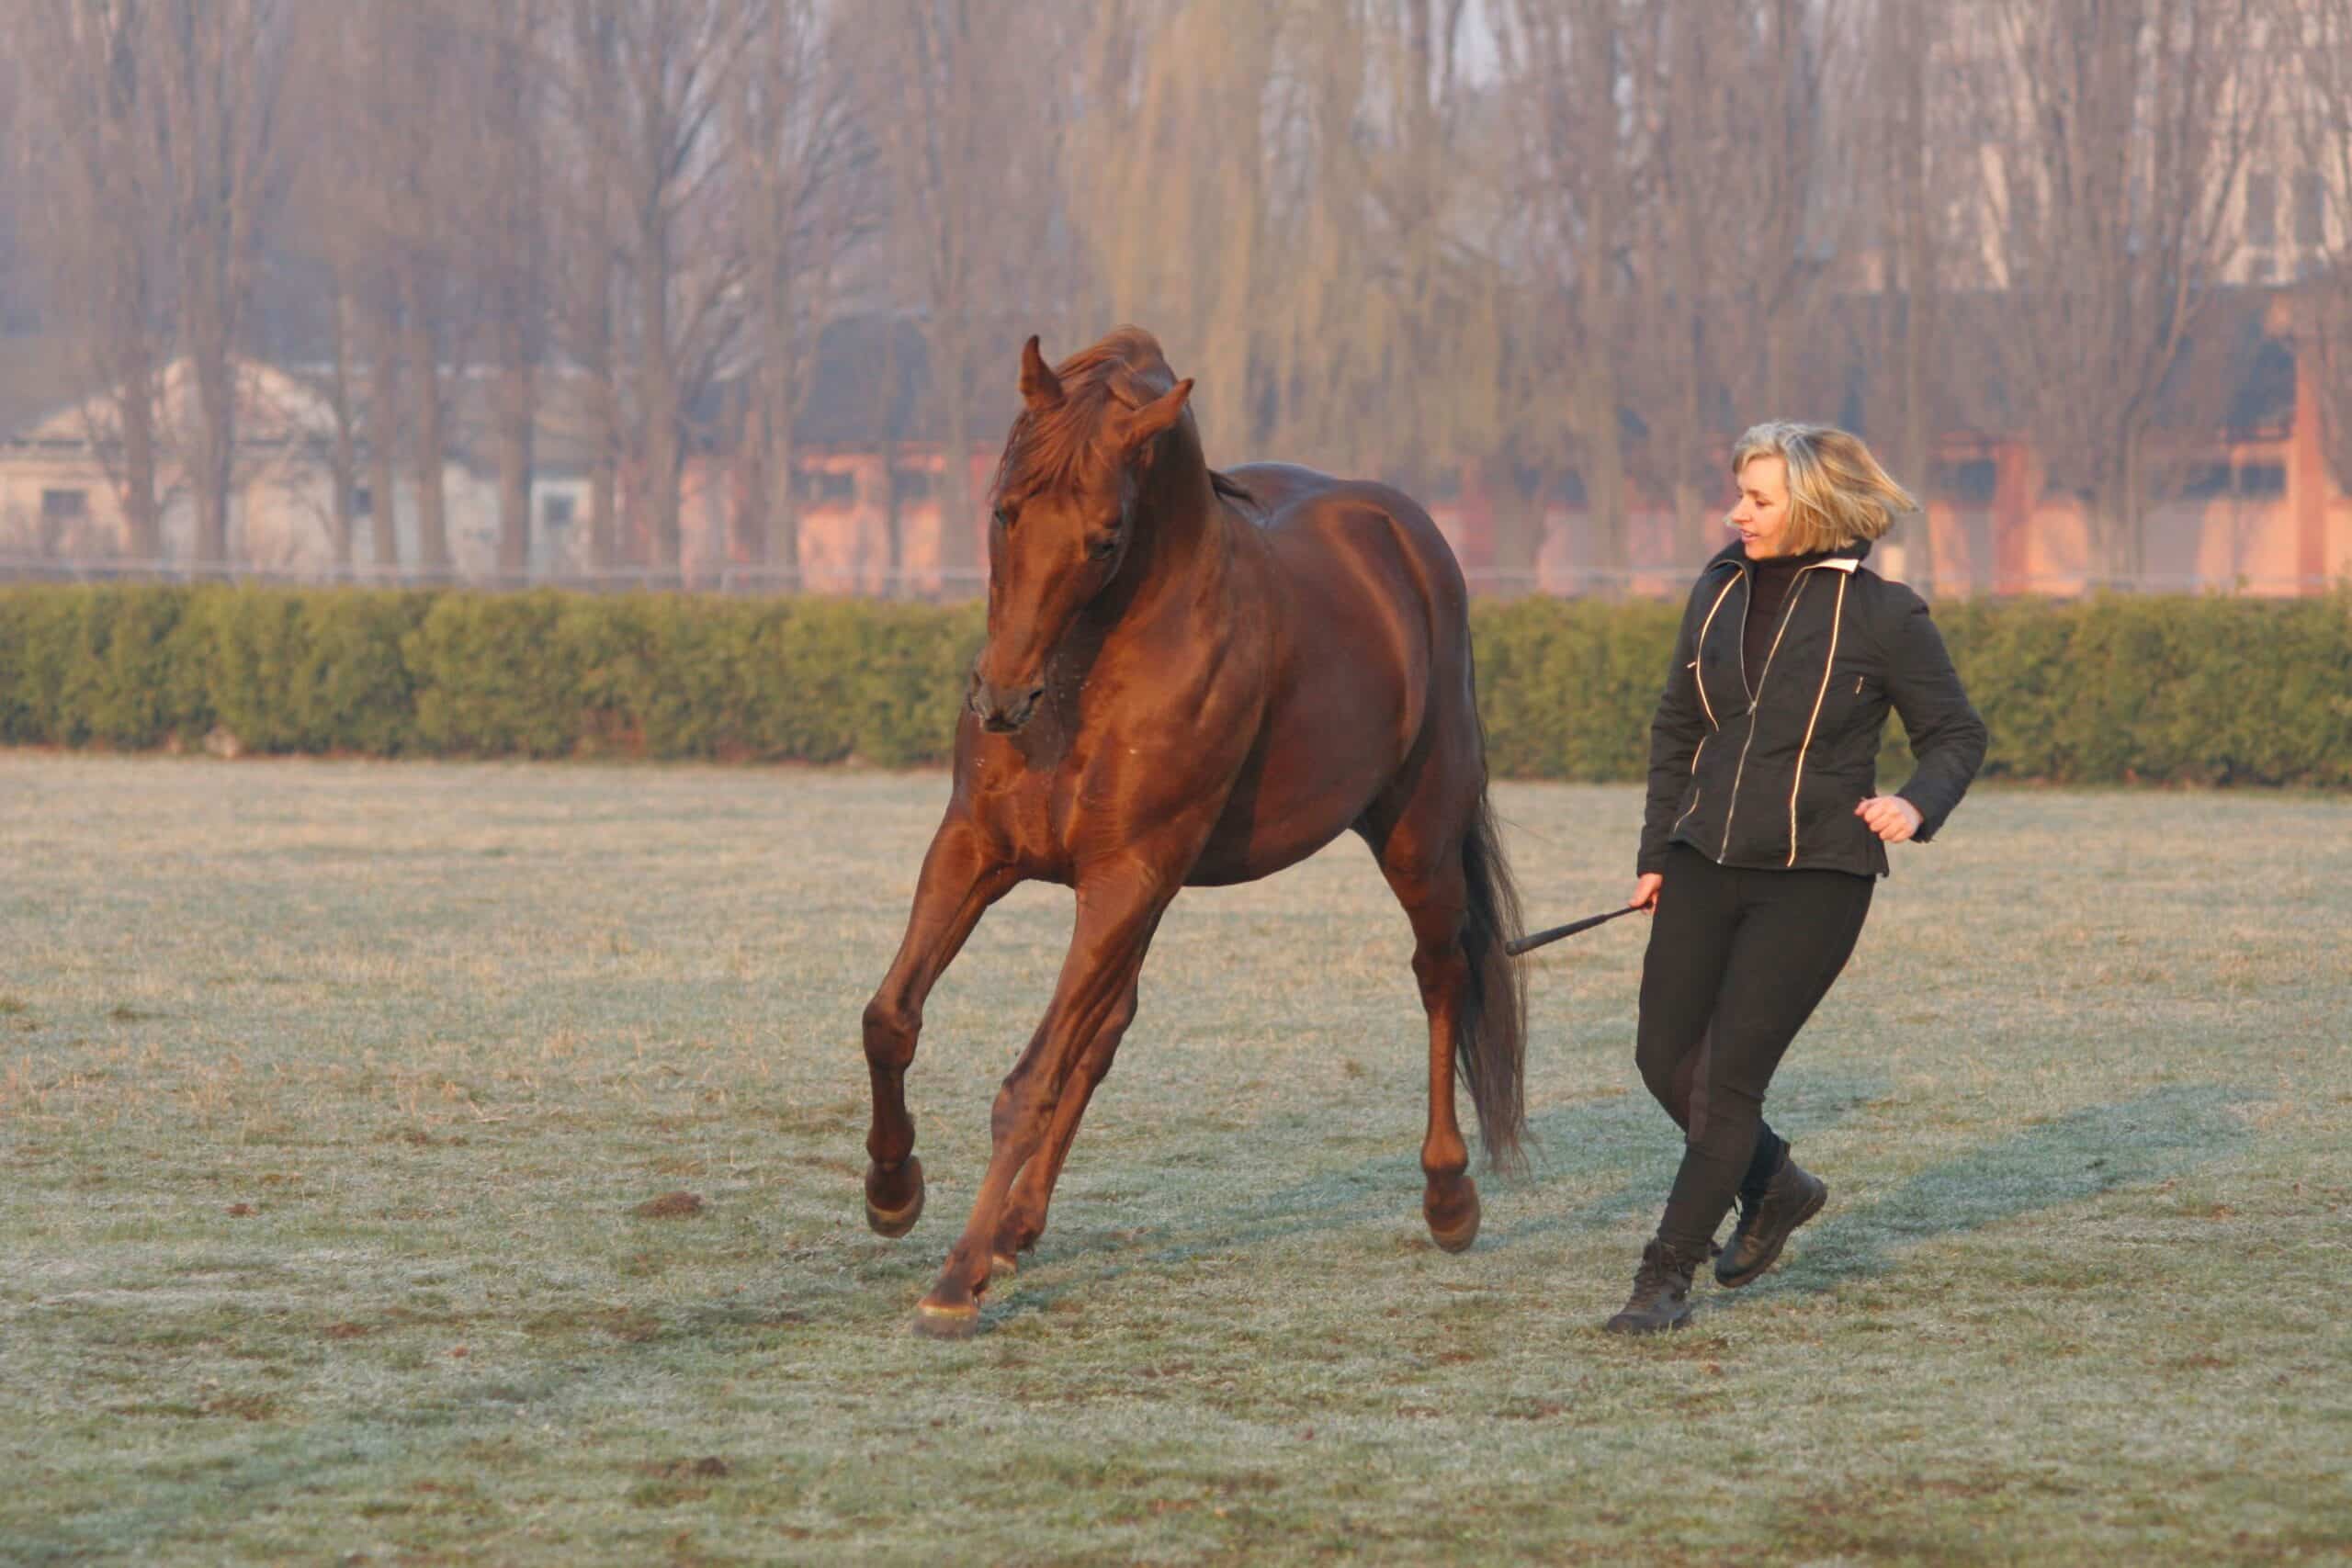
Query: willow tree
1289,194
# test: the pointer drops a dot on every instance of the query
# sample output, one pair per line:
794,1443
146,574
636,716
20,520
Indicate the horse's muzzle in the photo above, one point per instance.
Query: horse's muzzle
997,713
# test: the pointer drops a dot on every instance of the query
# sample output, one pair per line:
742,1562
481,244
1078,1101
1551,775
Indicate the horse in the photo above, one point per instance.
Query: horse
1193,679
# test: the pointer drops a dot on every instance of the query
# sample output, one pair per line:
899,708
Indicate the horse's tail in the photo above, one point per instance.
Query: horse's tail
1490,1030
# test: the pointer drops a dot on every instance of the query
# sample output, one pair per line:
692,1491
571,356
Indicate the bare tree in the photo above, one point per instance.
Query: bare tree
215,75
1909,180
500,214
2125,125
1728,244
962,97
88,154
670,65
585,80
801,205
2319,34
1576,175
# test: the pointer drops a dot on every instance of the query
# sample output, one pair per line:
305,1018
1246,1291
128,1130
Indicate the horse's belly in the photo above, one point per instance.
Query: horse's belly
1322,762
1248,844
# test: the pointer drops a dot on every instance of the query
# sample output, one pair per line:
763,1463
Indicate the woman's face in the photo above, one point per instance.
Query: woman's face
1762,515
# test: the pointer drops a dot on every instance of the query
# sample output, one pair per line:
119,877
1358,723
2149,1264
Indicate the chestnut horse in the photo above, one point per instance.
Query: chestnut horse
1193,678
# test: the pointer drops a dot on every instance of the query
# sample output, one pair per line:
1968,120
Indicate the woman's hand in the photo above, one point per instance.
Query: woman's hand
1645,892
1891,817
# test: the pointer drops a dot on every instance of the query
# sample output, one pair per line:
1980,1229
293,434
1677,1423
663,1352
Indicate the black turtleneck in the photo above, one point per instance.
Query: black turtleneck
1769,584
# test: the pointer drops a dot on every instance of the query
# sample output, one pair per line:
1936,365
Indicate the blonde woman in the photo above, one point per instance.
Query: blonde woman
1765,833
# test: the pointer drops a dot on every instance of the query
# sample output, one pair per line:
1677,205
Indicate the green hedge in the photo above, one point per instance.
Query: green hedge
2110,690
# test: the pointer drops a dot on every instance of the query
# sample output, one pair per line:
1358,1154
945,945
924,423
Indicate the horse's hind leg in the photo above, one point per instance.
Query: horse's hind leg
959,881
1419,850
1024,1213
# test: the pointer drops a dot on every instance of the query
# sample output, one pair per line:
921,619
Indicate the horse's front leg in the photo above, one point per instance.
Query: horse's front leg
961,879
1117,912
1024,1213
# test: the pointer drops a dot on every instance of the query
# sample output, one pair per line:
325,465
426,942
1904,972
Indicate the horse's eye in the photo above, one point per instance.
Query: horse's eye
1004,518
1104,548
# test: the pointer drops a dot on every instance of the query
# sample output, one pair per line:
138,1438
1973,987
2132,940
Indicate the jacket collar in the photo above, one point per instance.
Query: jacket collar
1845,558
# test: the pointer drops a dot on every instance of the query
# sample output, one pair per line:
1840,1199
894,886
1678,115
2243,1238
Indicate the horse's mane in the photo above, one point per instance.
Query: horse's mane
1055,447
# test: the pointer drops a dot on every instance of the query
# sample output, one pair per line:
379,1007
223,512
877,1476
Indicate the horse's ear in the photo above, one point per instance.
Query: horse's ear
1155,417
1040,389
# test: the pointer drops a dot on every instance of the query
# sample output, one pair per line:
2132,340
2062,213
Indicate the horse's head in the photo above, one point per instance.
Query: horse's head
1066,507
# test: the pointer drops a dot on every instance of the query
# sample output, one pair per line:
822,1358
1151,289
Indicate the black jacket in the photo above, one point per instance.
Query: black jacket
1773,783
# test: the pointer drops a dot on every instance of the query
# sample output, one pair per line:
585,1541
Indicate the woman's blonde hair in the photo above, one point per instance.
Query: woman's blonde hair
1837,493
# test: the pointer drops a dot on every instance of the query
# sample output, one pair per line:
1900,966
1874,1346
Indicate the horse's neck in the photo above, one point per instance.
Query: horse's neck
1184,529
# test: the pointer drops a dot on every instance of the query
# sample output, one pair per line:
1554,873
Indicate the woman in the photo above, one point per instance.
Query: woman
1765,832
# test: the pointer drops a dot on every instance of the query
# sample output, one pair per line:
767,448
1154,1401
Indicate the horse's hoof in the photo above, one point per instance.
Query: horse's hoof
934,1321
1456,1240
1001,1268
1454,1225
888,1220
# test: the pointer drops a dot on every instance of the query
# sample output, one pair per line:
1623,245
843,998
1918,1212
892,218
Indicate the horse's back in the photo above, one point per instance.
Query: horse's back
1317,522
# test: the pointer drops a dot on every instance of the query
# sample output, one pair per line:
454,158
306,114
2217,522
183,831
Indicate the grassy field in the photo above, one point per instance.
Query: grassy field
330,1093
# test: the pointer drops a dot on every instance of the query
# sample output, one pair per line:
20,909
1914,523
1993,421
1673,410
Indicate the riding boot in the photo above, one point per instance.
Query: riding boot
1766,1220
1661,1298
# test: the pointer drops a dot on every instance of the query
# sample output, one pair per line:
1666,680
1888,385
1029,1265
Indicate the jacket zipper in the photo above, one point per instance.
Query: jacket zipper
1699,675
1756,701
1837,618
1698,670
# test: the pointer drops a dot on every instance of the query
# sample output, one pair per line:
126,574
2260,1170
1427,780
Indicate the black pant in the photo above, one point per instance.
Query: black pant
1737,960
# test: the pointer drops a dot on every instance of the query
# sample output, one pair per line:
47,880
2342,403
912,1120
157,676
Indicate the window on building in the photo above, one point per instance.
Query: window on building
913,484
2261,209
555,512
363,502
64,505
1969,482
2311,208
2207,480
826,487
2261,481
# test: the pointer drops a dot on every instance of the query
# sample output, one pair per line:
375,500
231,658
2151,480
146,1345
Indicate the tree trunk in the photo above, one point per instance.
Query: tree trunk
604,435
1602,469
427,454
216,437
344,476
1912,454
383,449
1518,512
142,519
658,403
958,562
777,507
516,409
782,510
894,550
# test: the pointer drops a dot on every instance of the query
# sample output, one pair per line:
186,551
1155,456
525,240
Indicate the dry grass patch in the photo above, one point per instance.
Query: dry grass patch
454,1206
